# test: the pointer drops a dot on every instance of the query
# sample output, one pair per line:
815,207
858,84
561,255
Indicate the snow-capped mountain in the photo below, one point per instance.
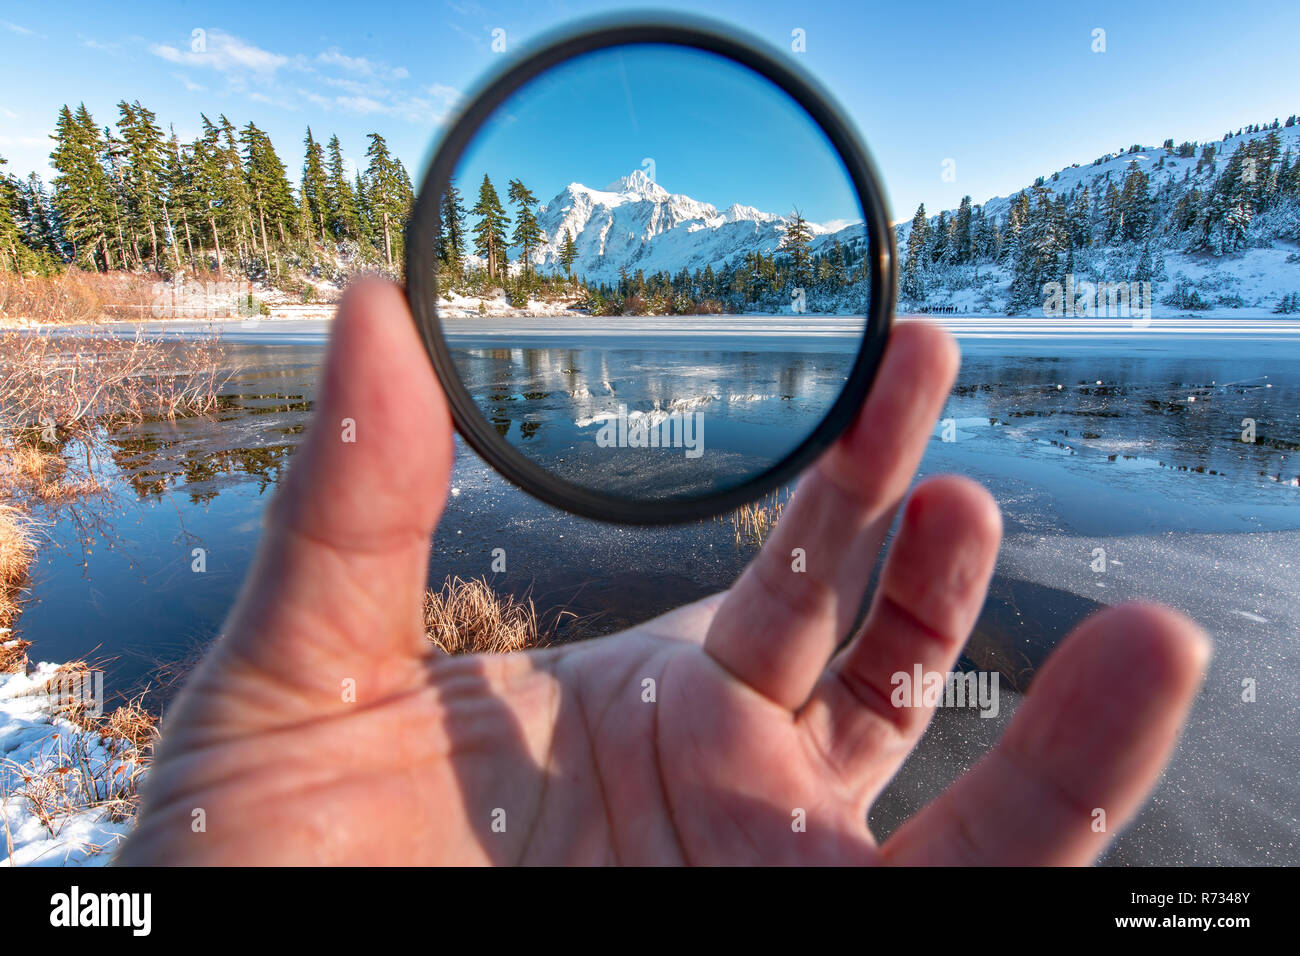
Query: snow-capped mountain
635,223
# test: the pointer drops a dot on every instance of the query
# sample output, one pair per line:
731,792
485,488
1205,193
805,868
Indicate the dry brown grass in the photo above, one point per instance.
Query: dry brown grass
468,617
60,384
17,548
754,521
76,297
60,393
13,655
44,475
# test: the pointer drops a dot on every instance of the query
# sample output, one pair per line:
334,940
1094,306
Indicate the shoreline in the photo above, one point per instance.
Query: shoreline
992,321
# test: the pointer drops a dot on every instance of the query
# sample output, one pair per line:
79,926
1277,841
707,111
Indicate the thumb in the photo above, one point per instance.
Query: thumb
335,592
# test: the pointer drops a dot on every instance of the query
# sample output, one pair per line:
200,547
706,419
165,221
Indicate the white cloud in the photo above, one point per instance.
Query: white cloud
360,85
360,65
15,28
361,104
354,64
449,96
276,101
225,53
189,84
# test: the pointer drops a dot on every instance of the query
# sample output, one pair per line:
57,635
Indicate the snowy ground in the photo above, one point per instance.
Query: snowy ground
456,306
33,739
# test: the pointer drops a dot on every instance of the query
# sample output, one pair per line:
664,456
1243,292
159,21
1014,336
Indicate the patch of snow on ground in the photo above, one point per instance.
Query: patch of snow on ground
32,737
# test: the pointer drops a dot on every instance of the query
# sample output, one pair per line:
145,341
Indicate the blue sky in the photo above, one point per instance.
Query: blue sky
746,141
1006,91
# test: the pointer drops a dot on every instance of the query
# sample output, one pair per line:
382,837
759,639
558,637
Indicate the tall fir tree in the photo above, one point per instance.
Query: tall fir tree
144,154
490,230
569,252
313,189
528,233
918,241
388,196
796,244
450,249
81,188
343,219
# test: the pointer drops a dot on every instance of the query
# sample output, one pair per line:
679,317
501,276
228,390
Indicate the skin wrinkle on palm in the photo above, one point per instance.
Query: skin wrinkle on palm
753,719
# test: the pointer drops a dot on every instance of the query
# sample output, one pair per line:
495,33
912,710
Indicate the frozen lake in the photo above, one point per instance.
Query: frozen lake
1116,439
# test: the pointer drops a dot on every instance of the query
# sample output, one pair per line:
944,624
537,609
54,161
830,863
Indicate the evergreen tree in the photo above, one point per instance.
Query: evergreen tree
268,187
314,189
918,242
34,215
388,196
490,232
343,220
961,232
569,252
1135,205
940,239
179,196
10,233
528,233
144,153
796,243
211,187
451,232
81,190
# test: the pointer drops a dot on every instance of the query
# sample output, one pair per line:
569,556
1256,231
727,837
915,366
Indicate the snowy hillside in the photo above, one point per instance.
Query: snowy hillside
1218,224
635,223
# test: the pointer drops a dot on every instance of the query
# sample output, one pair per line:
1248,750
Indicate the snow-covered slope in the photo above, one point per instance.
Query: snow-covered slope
1161,166
1251,279
635,223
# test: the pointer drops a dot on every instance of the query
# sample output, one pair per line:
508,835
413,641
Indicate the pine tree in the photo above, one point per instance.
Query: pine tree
451,232
1135,205
144,153
569,252
388,196
796,243
343,221
236,199
1077,222
314,190
490,232
213,204
35,217
1112,214
961,232
1144,271
10,260
918,242
81,190
837,267
528,233
180,198
268,188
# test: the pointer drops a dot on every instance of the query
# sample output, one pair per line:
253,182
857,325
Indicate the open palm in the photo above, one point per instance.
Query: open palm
324,728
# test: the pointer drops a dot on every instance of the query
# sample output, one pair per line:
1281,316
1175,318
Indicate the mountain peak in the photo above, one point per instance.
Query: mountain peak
637,183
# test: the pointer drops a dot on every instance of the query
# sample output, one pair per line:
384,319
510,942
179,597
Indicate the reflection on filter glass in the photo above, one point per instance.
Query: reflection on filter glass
654,423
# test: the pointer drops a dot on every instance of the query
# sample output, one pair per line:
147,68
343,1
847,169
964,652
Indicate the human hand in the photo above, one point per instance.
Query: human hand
757,716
